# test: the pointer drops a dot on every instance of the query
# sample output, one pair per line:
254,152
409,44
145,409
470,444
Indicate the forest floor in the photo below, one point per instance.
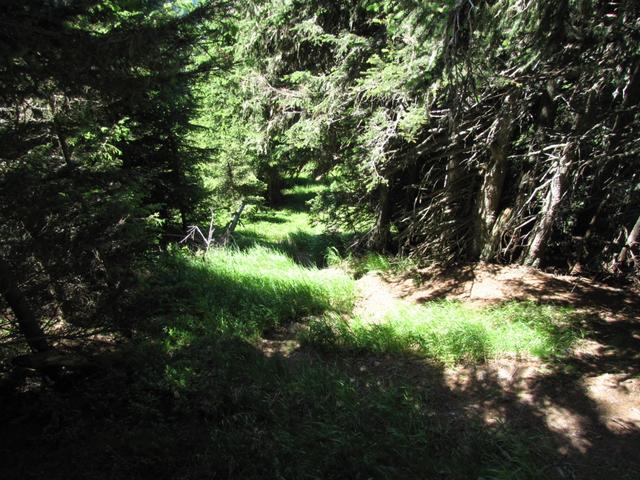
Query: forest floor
285,356
590,403
587,404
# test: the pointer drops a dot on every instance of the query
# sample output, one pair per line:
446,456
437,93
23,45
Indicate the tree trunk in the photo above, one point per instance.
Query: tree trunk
453,175
558,187
587,233
380,238
490,192
275,185
549,211
26,319
226,237
597,197
632,239
631,96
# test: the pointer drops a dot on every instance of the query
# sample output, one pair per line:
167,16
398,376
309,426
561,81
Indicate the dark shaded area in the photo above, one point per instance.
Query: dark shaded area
547,412
264,217
297,201
220,408
184,400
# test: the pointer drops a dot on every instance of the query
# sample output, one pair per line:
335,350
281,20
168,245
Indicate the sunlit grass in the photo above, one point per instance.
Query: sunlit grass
452,332
244,292
363,263
290,229
275,417
276,225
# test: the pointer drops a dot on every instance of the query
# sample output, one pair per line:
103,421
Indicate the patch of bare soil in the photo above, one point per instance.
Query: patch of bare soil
376,297
486,284
588,404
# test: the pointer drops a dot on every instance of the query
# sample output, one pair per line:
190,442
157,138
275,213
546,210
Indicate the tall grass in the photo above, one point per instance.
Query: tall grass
194,397
242,293
452,332
363,263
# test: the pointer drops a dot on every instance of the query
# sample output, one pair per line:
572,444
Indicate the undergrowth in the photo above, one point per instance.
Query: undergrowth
242,292
452,332
193,396
363,263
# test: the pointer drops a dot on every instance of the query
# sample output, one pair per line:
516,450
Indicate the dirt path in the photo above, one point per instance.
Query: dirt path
376,297
588,404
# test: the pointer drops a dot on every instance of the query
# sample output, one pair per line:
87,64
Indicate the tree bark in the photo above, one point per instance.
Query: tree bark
490,192
380,238
275,185
26,319
558,187
551,205
632,239
226,237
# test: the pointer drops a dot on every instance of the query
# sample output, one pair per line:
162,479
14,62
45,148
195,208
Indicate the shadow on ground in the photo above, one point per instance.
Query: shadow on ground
306,249
182,402
223,409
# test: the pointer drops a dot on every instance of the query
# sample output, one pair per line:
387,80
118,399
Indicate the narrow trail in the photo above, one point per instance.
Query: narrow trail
590,402
376,297
587,405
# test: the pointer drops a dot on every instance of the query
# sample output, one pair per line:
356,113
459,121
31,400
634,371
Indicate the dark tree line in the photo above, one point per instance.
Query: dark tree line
501,131
97,168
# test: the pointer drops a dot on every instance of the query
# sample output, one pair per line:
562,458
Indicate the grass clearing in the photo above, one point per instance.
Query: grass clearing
262,417
289,229
452,332
194,397
245,415
242,292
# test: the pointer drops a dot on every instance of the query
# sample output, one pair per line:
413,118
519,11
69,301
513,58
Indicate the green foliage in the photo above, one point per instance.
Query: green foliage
407,98
179,108
451,332
363,263
241,293
290,230
97,164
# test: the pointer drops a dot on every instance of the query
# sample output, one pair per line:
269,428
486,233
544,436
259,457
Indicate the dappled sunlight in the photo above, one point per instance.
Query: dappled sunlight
316,240
242,292
452,332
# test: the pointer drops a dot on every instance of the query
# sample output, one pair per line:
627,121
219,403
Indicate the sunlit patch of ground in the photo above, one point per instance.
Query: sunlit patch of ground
589,402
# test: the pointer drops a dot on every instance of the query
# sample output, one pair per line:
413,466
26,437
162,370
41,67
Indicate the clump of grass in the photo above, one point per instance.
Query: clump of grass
364,263
452,332
236,292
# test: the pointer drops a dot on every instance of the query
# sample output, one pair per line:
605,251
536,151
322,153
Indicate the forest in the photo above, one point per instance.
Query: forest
315,239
